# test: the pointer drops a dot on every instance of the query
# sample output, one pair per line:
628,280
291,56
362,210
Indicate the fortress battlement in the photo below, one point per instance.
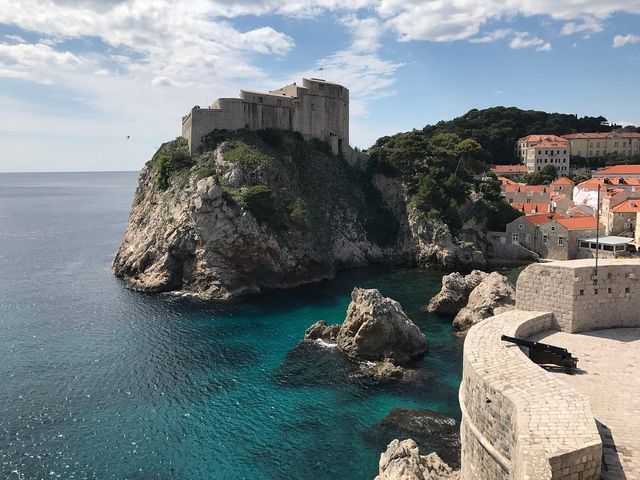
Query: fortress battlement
316,109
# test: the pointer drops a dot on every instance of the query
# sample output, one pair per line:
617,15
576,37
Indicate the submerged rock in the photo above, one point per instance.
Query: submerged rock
321,331
384,370
376,328
455,292
494,295
402,461
432,432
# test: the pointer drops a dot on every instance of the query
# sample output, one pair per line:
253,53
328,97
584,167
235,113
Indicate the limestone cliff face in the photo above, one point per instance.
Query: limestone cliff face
251,214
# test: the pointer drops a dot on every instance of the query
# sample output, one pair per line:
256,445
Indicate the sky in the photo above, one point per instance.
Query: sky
97,85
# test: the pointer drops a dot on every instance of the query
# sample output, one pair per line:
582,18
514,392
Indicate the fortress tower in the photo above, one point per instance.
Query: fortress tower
317,109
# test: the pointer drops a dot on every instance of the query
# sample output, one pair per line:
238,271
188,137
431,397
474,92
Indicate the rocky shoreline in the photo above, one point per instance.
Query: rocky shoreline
243,218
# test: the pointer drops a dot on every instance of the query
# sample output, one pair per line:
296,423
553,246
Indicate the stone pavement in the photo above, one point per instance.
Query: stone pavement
609,363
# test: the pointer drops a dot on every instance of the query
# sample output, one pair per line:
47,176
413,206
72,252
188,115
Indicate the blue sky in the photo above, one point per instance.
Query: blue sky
79,76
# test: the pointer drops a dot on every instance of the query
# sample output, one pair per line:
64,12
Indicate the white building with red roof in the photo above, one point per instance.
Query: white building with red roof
537,151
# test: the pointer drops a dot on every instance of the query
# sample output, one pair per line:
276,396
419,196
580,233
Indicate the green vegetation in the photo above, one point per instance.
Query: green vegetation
300,215
170,158
493,206
498,128
579,177
259,200
251,158
544,177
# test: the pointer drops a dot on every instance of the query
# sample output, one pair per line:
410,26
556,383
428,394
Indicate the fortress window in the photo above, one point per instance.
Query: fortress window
321,86
278,102
260,99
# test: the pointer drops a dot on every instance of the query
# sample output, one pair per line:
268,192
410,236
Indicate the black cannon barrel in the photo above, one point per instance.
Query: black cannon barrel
535,345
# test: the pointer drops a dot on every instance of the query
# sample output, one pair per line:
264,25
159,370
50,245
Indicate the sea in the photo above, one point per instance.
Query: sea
99,382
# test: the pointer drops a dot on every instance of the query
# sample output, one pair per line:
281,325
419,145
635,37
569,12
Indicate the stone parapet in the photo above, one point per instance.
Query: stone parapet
519,421
580,299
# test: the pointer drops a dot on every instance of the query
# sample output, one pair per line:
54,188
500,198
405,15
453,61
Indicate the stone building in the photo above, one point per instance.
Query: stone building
600,144
529,141
551,236
563,185
317,109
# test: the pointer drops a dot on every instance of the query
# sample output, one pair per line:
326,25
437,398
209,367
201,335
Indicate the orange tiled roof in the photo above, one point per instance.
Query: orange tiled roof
542,218
530,208
628,206
521,187
601,135
507,181
542,138
562,181
509,169
564,144
578,223
619,170
593,183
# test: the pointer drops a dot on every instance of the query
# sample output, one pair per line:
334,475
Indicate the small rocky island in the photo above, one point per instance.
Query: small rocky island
376,330
253,211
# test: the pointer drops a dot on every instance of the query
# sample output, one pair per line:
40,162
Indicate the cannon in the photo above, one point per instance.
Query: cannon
542,354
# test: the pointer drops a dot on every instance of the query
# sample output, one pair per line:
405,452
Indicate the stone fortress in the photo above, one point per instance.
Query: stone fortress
523,422
317,109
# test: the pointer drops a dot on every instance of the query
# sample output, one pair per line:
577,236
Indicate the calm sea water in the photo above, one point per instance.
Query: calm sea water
100,382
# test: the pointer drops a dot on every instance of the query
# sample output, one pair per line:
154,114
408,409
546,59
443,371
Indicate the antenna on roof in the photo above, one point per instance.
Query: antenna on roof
321,70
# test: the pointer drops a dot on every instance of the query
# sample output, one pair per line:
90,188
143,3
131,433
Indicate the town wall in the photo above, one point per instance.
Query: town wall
580,299
519,421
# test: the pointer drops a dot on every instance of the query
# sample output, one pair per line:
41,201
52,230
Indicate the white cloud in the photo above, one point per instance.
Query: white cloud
439,20
366,32
587,25
34,61
622,40
488,37
525,40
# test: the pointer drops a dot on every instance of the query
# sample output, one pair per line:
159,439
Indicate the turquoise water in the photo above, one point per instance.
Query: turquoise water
101,382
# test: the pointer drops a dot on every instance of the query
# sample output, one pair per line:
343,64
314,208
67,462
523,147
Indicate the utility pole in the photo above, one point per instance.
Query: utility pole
597,228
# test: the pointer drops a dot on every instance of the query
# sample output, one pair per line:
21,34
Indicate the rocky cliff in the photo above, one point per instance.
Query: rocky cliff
258,211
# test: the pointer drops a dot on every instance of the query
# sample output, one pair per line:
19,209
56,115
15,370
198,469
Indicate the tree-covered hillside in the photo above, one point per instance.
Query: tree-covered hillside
498,128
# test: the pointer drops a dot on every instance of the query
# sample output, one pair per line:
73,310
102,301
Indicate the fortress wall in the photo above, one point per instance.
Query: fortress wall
580,299
201,121
518,421
318,109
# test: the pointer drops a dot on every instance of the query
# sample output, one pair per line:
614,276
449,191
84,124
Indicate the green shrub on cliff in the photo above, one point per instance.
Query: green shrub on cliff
300,215
164,166
170,158
259,200
251,158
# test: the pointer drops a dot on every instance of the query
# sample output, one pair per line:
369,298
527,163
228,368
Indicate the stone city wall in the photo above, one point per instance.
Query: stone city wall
518,421
580,299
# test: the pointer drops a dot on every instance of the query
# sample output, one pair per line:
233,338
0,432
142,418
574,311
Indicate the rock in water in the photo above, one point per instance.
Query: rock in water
494,295
402,461
376,328
384,370
432,432
321,331
455,292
